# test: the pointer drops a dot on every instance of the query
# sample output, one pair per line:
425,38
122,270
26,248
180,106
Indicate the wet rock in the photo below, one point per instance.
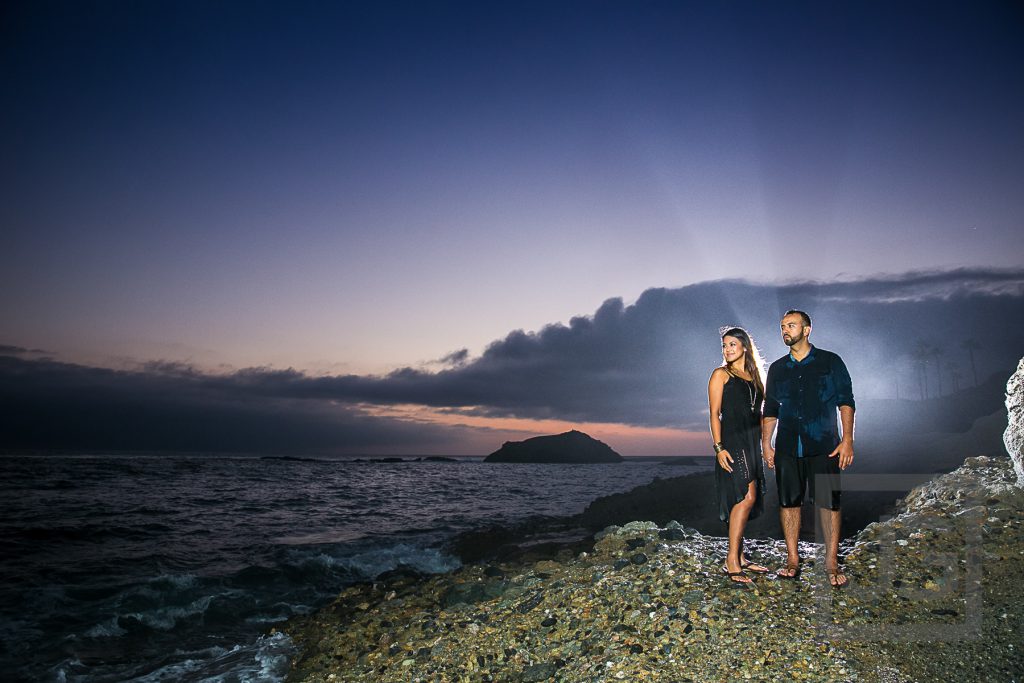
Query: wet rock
538,672
403,574
472,593
531,602
638,558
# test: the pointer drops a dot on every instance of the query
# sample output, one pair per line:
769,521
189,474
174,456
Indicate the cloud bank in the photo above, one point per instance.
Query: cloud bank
645,364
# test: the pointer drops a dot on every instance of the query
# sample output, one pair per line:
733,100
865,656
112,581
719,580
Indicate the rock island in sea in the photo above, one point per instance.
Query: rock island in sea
569,447
935,594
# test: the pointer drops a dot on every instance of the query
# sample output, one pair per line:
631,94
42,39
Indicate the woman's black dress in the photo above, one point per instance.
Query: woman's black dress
741,436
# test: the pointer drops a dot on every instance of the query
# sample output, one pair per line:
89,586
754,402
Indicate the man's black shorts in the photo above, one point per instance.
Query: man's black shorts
794,476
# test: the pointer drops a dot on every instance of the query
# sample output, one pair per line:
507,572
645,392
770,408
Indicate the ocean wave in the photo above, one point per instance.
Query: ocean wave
166,618
201,551
289,458
320,537
155,590
163,602
262,661
108,629
173,581
374,561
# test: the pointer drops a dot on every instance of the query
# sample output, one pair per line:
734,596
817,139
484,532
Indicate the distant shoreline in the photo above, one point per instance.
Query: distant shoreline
63,453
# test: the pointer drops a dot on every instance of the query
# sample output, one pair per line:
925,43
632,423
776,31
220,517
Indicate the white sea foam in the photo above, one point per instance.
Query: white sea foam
262,661
106,629
194,663
369,563
165,618
175,581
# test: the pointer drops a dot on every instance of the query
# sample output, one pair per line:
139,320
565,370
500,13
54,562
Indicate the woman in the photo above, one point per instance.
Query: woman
735,395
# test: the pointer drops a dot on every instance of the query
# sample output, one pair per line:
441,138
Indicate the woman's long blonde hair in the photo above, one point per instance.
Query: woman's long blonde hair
753,364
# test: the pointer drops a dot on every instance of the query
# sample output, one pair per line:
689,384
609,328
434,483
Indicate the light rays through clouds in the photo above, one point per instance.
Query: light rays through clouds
633,375
250,184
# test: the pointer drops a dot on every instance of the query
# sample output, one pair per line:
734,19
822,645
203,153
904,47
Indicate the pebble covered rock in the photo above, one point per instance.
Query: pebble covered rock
934,592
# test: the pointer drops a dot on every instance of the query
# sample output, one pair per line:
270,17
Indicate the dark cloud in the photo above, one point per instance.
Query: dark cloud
7,350
454,359
648,363
921,286
643,364
12,350
45,404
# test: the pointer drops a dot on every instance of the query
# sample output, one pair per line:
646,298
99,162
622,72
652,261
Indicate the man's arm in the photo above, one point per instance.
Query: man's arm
847,407
844,388
845,448
846,417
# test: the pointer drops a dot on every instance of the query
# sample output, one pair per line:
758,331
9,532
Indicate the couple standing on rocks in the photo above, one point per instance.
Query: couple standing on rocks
801,395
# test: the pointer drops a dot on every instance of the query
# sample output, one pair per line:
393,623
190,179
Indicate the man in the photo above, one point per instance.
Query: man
803,392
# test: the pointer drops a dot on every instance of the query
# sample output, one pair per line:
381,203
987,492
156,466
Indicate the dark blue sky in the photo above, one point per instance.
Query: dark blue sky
352,188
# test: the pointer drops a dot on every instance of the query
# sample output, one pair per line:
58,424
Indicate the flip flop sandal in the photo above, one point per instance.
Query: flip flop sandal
732,576
833,579
795,575
747,565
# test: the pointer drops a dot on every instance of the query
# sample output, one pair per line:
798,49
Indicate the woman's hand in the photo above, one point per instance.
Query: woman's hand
725,460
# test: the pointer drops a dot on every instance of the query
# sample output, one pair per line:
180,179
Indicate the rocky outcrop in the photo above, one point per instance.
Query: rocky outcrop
1013,437
934,595
570,447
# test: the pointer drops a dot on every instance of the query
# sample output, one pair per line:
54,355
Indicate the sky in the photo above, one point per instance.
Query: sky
365,194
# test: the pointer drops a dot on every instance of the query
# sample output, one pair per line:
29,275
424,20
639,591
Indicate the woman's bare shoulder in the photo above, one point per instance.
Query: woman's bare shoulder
720,375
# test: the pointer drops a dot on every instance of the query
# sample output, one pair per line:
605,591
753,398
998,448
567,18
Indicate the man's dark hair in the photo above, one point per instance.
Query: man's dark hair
807,318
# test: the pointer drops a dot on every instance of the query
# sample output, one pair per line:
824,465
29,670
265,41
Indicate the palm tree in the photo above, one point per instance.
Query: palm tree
936,354
972,345
954,374
921,354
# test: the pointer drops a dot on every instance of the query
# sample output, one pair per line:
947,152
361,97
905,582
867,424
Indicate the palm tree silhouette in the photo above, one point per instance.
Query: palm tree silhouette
972,345
954,374
921,354
936,355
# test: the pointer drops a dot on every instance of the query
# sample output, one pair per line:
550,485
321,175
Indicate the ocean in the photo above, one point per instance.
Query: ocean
176,567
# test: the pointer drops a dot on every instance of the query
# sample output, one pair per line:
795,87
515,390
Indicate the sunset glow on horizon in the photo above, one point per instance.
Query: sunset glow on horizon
627,440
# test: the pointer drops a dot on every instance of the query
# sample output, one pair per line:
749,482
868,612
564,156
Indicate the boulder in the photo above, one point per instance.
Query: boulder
1013,437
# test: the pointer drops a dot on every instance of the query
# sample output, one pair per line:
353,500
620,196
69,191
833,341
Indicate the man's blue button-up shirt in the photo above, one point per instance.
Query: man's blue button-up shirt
804,396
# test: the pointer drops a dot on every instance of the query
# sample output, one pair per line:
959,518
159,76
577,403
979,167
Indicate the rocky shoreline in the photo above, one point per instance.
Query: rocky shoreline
935,591
689,497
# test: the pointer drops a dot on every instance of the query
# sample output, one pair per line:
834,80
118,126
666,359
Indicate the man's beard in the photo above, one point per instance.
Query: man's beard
793,340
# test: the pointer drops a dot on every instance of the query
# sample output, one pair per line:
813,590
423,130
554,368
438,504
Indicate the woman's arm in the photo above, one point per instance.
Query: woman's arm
769,417
715,386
